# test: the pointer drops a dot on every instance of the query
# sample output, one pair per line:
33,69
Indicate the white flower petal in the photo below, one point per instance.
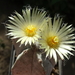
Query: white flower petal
65,51
33,40
68,47
60,54
30,41
51,53
47,53
23,40
68,42
27,41
19,16
54,56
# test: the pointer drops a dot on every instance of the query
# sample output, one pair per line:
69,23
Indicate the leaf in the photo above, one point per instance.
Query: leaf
27,64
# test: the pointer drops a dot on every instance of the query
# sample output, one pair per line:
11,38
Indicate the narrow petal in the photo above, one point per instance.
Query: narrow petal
68,47
55,56
61,56
51,53
47,53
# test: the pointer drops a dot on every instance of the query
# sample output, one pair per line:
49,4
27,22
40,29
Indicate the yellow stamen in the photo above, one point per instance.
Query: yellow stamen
53,42
30,30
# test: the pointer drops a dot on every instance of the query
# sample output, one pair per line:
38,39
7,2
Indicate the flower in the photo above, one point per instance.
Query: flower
27,27
57,39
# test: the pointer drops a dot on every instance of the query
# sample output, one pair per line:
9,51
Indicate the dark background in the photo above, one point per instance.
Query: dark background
66,8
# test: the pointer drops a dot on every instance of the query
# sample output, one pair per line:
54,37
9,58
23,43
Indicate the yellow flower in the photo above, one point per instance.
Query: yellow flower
27,27
57,39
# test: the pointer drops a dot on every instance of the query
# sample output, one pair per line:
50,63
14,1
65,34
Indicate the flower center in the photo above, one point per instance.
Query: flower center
30,30
53,42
